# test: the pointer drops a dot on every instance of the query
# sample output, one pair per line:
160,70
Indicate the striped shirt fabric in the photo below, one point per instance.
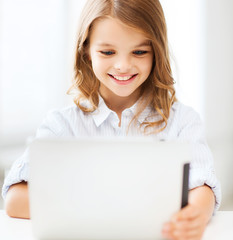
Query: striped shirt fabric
183,124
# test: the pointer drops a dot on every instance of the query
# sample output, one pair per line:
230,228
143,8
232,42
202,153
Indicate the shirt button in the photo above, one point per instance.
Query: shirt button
127,113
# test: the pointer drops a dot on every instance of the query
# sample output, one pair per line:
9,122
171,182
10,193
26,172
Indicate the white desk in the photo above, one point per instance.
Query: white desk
220,227
14,229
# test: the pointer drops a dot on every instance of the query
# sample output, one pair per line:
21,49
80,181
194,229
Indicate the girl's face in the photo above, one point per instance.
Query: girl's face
121,58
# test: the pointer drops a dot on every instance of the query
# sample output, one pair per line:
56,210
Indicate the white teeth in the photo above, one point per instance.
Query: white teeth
125,78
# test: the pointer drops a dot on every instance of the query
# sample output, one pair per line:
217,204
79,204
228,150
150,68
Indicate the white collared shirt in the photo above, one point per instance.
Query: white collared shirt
183,124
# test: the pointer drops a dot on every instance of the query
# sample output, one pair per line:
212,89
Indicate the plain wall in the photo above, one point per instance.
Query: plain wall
219,74
218,90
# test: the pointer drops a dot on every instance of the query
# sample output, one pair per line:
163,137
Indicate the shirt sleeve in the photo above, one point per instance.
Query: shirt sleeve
54,125
202,165
18,173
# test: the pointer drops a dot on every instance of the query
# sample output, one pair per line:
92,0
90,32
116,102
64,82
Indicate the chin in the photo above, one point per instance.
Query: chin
123,94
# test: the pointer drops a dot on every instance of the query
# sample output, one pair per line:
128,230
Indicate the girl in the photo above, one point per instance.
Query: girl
123,85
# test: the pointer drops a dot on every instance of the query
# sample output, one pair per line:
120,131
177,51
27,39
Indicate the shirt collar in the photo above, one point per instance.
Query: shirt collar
103,112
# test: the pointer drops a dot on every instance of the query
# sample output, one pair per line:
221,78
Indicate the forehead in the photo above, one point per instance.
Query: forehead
111,31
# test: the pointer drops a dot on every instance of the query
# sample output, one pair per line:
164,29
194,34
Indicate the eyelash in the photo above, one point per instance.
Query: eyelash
107,53
138,53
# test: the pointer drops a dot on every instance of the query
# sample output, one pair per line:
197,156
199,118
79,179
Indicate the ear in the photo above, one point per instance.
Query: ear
89,57
86,57
88,54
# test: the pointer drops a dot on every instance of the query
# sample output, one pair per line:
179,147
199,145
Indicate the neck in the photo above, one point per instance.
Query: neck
118,104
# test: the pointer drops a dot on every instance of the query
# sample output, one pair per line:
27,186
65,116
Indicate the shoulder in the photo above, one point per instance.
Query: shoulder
187,121
63,116
183,111
60,122
184,115
66,113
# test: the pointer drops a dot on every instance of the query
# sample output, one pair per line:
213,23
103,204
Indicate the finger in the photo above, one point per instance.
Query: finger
188,230
167,235
188,225
190,235
188,212
167,230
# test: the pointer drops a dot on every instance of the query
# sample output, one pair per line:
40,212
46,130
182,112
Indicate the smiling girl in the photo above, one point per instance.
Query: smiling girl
121,60
123,86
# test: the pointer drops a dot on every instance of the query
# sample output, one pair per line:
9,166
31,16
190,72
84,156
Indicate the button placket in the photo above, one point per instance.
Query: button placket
114,120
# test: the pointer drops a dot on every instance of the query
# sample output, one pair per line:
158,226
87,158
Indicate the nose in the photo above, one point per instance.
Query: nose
123,64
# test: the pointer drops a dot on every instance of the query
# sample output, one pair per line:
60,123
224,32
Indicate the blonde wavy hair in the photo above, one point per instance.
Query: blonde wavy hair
158,90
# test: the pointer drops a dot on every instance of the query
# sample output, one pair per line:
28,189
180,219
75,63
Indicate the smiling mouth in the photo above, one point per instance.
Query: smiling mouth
122,78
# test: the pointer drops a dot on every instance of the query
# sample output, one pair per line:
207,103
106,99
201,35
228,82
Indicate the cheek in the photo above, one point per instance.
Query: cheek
146,65
100,65
95,63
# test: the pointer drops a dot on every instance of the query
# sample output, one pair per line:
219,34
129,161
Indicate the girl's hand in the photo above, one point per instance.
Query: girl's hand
187,224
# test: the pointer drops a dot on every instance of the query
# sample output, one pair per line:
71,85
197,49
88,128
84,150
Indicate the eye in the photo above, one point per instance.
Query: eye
107,53
140,52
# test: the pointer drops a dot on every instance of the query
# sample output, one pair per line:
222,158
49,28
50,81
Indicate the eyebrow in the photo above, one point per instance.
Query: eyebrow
143,44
